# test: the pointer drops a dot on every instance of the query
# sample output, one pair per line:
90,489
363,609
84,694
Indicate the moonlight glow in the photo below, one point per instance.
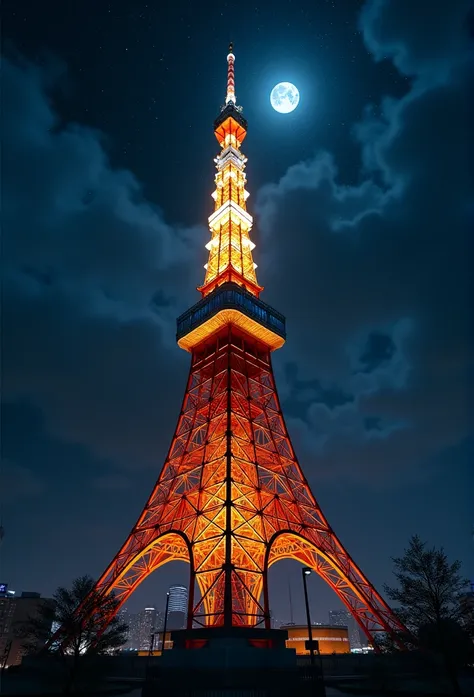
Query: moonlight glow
284,97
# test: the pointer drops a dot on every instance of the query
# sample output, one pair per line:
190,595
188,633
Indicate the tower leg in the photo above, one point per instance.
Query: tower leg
132,564
192,584
330,561
266,600
232,500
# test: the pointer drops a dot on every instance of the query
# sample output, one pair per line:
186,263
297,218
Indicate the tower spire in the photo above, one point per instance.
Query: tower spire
230,247
230,96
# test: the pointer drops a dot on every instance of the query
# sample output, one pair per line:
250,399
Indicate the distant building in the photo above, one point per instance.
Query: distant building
178,607
159,622
132,640
15,612
331,639
4,592
141,625
159,626
145,628
343,618
125,616
7,612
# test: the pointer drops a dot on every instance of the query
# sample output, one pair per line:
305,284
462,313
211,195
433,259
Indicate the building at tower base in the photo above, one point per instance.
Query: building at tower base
229,648
331,638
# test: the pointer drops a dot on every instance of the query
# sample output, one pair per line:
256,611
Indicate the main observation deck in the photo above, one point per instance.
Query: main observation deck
230,303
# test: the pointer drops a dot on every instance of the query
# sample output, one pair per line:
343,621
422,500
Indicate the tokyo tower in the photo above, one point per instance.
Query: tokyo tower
231,498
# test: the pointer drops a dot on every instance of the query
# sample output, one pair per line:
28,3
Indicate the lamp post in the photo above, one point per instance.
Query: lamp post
306,572
166,621
152,644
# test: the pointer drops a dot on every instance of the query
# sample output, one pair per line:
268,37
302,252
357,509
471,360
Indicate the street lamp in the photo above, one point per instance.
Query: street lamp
306,570
166,621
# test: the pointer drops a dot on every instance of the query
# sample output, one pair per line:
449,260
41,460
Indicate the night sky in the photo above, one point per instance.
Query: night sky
363,210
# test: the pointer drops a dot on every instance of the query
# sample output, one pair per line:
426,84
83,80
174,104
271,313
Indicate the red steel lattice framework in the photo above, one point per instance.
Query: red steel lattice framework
231,498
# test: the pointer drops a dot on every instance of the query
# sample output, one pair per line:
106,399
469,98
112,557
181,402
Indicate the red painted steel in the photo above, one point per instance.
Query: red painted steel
231,498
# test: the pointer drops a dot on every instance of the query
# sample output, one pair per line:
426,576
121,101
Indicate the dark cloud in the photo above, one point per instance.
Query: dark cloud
421,41
20,482
94,278
373,277
379,350
376,280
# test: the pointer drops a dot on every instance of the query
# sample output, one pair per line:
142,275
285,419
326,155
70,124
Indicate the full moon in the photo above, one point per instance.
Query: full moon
284,97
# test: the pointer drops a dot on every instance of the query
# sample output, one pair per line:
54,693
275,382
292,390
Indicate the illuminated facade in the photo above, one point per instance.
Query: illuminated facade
15,614
177,607
231,498
331,639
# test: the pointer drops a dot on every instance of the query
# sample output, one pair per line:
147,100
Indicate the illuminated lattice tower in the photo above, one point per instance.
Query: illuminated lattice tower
231,498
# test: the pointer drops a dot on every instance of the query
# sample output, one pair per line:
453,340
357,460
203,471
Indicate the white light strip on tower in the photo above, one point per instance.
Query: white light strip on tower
248,243
230,207
229,149
230,157
212,243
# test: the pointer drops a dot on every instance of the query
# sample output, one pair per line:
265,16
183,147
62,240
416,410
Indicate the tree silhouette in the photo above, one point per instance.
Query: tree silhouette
88,632
429,599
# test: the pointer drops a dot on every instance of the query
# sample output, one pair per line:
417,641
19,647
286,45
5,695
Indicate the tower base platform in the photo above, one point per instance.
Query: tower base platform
234,648
235,662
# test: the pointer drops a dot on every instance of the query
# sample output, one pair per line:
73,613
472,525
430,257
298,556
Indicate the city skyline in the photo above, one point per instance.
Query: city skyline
284,614
351,216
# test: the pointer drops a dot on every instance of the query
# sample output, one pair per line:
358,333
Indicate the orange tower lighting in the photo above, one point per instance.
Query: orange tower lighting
231,498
